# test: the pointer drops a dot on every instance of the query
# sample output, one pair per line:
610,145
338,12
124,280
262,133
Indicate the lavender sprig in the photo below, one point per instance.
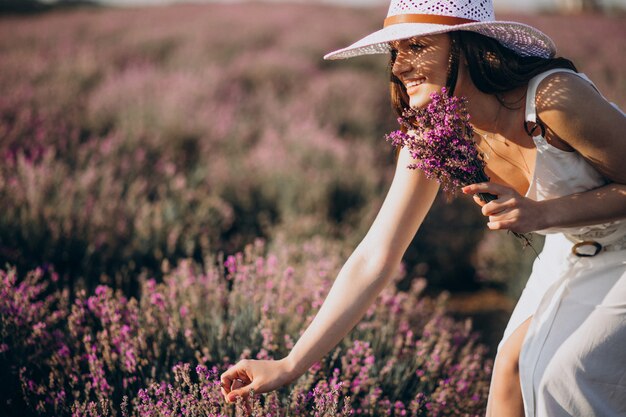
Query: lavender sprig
440,138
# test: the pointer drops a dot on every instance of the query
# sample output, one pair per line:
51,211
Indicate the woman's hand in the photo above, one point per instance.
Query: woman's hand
259,375
510,211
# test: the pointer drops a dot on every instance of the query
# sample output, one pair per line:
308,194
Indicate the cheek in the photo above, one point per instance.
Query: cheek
435,63
437,71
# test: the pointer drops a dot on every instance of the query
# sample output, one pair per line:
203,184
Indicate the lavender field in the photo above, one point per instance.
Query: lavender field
180,186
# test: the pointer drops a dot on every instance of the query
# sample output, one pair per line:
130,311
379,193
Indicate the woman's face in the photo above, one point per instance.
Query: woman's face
422,65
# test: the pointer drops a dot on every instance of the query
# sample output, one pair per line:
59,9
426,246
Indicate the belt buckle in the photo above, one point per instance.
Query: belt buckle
587,248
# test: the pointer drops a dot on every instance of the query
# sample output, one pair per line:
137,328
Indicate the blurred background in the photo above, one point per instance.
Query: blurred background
501,5
133,137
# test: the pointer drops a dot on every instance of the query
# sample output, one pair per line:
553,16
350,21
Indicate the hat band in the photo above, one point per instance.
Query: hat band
426,18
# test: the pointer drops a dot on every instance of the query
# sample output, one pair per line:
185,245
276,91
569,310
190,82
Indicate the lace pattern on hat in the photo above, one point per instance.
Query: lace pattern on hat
479,10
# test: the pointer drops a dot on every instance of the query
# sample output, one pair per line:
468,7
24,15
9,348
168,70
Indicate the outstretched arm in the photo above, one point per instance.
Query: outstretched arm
370,267
359,282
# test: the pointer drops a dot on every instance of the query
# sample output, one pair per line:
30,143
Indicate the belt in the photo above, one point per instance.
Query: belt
589,248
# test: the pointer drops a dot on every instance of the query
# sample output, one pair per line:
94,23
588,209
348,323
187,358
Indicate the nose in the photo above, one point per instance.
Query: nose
401,64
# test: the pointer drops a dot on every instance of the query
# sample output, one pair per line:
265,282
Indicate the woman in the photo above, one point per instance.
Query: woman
555,154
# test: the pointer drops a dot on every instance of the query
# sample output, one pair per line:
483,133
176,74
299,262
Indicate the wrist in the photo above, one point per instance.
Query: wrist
547,215
291,368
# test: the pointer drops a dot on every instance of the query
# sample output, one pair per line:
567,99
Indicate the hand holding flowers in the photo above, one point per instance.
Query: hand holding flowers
510,211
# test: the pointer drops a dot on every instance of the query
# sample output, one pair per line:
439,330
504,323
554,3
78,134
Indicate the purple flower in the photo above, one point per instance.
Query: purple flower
440,139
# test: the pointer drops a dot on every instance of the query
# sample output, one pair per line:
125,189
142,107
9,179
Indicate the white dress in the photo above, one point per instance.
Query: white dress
573,359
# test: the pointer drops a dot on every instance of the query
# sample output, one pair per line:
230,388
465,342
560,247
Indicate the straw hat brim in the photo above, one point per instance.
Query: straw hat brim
521,38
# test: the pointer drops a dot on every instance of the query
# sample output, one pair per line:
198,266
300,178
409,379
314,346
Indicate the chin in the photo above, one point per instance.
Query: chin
422,98
417,102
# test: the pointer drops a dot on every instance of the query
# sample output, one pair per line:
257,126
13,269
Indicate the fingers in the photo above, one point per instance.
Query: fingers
501,212
239,370
241,391
501,191
497,207
478,200
238,388
505,201
501,215
500,224
229,386
238,373
487,187
236,381
258,375
510,210
237,384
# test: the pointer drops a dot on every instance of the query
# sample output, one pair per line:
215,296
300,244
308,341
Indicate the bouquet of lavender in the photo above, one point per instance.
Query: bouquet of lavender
440,138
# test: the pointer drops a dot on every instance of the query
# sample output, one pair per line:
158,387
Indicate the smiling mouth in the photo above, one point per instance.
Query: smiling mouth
414,83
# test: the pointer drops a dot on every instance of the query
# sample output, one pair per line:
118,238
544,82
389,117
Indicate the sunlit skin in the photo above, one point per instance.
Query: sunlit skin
576,118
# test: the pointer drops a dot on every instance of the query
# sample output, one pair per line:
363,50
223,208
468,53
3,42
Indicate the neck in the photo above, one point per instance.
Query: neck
487,114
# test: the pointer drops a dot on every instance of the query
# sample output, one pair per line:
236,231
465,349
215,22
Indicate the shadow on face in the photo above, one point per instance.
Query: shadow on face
421,65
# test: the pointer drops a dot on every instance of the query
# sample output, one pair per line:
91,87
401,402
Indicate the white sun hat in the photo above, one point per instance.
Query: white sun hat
409,18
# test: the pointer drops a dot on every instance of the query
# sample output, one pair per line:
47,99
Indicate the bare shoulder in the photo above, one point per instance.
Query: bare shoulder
574,112
564,93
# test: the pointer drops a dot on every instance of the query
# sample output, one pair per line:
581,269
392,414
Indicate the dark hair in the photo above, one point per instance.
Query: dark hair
493,68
